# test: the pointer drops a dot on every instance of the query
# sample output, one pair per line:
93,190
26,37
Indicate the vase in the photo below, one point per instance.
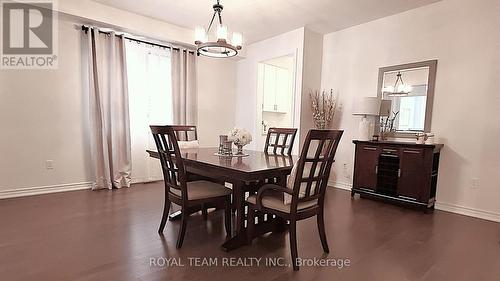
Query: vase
240,149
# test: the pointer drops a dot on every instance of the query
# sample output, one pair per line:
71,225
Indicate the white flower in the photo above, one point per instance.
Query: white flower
240,136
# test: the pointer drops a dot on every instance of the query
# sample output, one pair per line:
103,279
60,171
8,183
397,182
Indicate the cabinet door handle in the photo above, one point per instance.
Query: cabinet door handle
389,155
370,148
399,172
412,151
376,169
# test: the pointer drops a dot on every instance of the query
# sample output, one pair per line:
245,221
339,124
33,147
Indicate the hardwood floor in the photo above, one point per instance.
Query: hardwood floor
104,235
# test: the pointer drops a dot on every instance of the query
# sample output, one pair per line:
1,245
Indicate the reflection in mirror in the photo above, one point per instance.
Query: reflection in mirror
407,91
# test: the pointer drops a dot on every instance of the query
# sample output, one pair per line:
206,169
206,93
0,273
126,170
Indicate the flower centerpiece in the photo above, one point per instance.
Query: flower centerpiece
240,137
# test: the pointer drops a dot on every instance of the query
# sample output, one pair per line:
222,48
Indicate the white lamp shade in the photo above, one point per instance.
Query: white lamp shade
237,39
222,32
200,34
385,108
367,106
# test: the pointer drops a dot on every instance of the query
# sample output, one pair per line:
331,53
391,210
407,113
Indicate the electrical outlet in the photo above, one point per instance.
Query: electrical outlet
49,164
475,183
345,171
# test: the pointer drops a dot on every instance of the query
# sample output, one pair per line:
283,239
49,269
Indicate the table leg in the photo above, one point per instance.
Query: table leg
239,201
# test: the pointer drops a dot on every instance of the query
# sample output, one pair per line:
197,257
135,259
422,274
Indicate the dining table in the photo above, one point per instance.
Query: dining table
244,173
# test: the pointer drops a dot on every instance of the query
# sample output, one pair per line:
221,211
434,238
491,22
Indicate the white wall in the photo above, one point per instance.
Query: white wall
246,86
43,116
311,79
126,21
43,113
216,99
463,36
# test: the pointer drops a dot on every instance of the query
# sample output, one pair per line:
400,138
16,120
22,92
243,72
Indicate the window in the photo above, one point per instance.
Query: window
150,103
412,116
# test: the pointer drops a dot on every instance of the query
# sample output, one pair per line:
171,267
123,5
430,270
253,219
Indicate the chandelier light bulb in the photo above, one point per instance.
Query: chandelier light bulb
237,39
401,88
222,32
200,35
388,89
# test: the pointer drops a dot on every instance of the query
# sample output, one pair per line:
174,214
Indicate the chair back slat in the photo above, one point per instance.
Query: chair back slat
280,141
185,132
174,173
314,166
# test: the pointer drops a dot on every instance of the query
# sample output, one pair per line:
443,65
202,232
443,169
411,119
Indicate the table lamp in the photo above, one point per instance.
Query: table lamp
367,106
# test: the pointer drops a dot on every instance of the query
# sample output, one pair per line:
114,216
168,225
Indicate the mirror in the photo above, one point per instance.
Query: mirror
407,92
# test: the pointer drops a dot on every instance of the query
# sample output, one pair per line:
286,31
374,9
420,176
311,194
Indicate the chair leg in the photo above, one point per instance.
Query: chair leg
204,212
164,217
322,232
227,216
293,243
182,229
251,224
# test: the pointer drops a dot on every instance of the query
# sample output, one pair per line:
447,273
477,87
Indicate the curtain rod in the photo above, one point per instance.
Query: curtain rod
86,29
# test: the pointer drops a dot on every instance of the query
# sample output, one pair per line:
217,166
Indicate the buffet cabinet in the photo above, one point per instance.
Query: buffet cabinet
397,171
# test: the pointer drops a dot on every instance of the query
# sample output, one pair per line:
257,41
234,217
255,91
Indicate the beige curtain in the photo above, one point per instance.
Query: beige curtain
109,110
184,87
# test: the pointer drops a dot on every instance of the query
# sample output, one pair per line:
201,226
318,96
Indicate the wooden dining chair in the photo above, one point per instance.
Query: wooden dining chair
280,141
307,190
189,133
190,196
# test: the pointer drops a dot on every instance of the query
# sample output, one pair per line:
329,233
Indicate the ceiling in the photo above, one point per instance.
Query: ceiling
261,19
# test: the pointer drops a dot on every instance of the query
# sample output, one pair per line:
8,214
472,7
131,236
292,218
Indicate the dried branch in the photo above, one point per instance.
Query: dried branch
323,106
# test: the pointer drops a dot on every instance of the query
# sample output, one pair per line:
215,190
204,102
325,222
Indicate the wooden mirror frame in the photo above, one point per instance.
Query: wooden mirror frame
431,83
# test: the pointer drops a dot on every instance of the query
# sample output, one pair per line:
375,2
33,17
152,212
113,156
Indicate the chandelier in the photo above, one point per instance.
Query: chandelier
398,90
220,48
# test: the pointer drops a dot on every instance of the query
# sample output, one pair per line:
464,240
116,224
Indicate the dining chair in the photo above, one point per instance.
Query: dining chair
280,139
187,137
190,196
306,188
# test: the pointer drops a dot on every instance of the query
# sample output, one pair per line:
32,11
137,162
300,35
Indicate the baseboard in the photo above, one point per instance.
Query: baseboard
340,185
466,211
146,179
37,190
447,207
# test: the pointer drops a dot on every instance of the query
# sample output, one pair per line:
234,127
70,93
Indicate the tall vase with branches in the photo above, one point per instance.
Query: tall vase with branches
323,106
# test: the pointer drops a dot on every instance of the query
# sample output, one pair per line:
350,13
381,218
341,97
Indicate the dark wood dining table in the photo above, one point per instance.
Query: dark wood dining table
242,173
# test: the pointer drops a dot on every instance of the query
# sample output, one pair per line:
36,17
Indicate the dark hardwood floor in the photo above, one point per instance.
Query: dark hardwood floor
106,235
